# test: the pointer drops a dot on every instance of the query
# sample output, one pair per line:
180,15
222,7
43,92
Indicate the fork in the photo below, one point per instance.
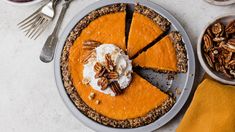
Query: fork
48,49
36,23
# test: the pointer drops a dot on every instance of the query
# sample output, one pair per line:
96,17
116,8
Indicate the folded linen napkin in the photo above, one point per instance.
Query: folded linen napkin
211,110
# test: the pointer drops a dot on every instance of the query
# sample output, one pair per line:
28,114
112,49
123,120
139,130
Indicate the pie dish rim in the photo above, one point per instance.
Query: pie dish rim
68,102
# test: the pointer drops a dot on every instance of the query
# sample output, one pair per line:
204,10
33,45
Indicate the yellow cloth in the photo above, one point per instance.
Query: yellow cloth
211,110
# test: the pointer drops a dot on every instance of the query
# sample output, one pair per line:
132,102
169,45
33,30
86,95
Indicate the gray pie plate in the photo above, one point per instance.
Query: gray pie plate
180,86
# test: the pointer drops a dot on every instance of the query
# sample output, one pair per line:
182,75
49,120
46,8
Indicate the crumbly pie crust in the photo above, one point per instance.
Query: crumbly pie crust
74,96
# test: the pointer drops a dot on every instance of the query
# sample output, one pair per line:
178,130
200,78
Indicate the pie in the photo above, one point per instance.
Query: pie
141,103
168,55
146,26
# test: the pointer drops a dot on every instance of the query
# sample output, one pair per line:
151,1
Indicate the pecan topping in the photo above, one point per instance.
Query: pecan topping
90,44
115,88
98,67
103,82
100,73
217,28
91,54
107,75
112,75
219,48
230,28
109,63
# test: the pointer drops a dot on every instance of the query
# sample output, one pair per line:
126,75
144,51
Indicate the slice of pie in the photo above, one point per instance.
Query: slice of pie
167,55
146,26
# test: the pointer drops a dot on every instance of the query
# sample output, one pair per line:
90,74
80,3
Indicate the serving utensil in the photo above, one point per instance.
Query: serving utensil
48,49
36,23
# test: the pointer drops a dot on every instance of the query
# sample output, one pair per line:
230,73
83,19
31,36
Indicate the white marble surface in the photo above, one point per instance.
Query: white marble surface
29,100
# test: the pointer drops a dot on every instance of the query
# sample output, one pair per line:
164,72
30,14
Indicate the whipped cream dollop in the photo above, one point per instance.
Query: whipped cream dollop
123,66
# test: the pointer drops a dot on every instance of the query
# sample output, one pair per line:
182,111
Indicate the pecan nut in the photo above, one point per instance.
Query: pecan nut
98,67
112,75
115,87
90,44
109,63
103,82
230,28
207,43
217,28
88,56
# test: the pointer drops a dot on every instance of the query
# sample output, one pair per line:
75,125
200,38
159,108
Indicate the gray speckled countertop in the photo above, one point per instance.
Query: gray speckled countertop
29,100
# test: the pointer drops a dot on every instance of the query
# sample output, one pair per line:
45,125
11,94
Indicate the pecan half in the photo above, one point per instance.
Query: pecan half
207,42
210,33
228,57
217,28
229,47
115,87
231,64
209,61
85,58
109,63
112,75
231,41
103,82
100,73
98,67
90,44
230,28
223,70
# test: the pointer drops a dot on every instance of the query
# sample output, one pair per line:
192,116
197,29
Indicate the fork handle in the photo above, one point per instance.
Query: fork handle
48,49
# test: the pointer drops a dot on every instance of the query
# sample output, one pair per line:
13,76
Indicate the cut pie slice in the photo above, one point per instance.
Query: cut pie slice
167,55
146,26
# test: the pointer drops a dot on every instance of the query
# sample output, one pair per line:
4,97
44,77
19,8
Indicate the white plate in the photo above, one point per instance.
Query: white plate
183,81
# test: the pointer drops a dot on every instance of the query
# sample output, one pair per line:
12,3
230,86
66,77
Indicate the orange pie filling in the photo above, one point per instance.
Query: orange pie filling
163,56
142,32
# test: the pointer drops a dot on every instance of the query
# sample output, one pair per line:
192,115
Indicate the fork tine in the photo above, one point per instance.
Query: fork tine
29,23
26,19
43,28
36,26
32,25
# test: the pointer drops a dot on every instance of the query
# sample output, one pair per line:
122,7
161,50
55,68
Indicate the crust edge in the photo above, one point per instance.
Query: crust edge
154,16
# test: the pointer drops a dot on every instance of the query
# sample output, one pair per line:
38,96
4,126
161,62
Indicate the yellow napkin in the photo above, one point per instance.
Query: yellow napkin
211,110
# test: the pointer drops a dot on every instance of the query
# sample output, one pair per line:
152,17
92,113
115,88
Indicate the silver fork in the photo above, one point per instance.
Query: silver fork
36,23
48,49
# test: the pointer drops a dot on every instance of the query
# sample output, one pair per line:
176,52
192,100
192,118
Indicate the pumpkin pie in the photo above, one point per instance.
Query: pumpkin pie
167,55
140,104
146,26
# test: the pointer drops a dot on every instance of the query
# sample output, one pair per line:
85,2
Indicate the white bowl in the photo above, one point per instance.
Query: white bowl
221,3
23,3
214,74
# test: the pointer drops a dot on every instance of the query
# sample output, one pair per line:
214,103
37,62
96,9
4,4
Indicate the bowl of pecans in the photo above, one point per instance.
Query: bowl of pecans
216,49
